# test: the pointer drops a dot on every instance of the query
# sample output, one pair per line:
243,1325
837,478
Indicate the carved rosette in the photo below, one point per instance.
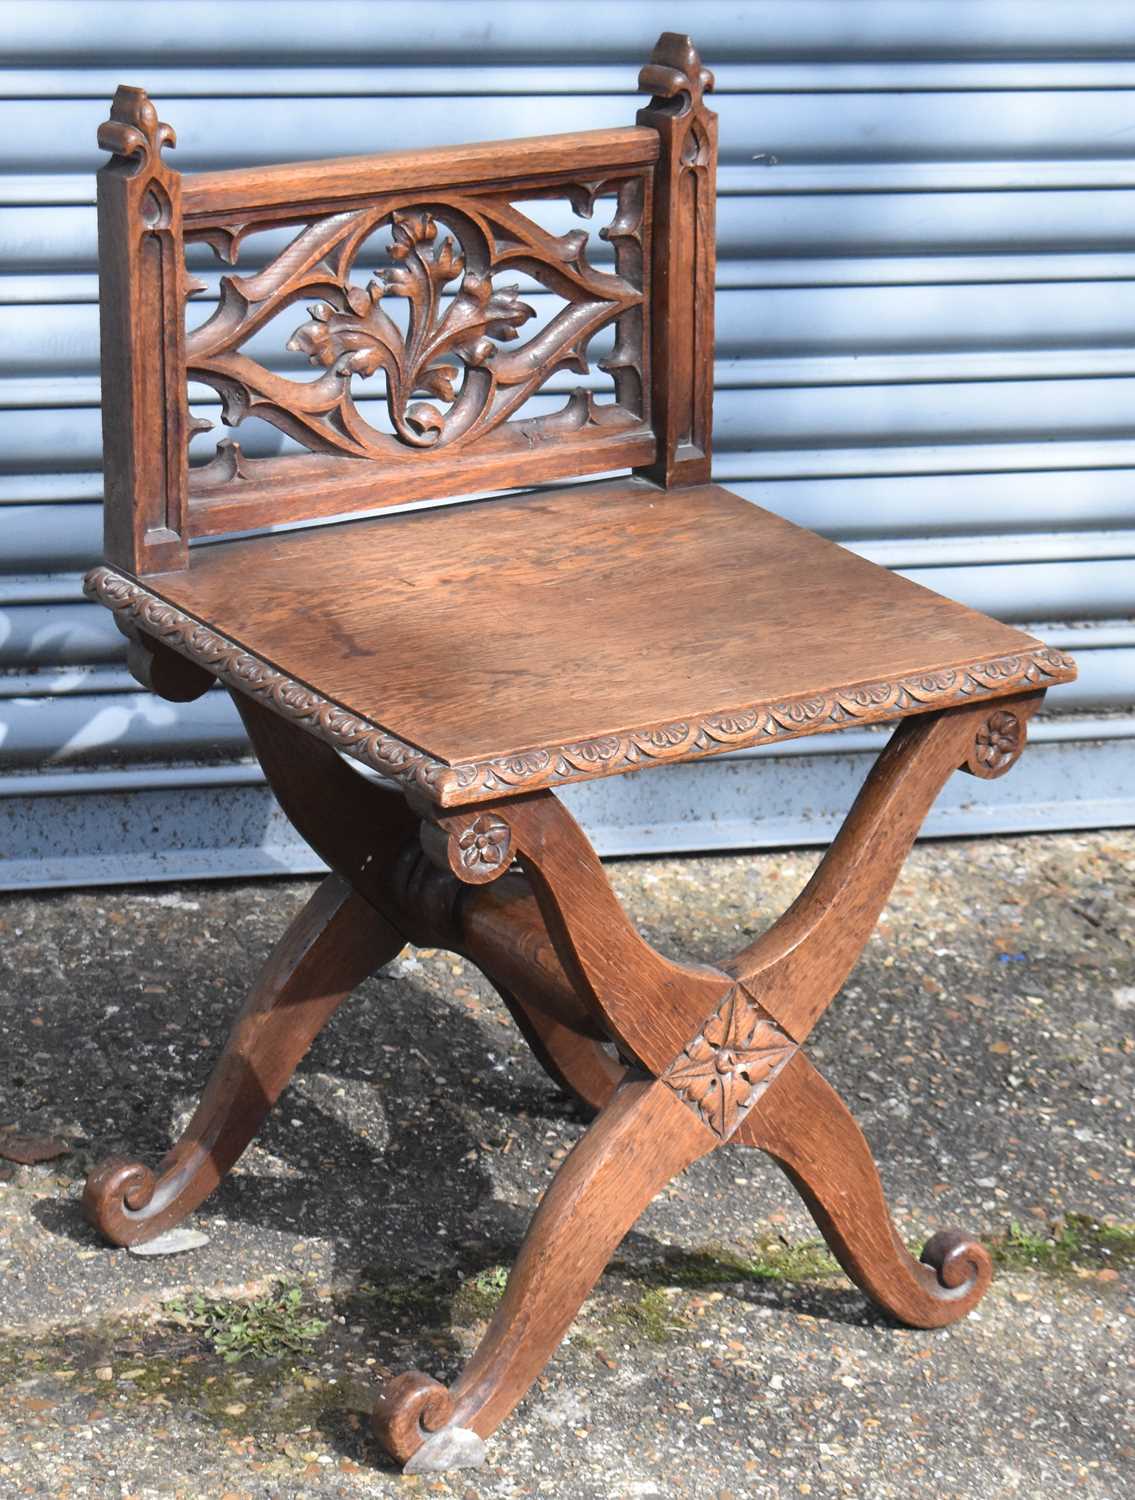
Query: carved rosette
531,770
476,847
997,745
723,1072
483,846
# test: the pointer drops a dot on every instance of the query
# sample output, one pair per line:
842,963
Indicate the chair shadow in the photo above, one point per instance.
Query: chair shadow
397,1185
425,1167
391,1186
330,1180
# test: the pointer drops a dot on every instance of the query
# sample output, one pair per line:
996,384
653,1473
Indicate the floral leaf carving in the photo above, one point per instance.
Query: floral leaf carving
485,842
458,322
997,745
364,339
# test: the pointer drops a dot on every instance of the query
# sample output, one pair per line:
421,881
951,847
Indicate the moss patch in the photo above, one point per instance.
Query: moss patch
134,1365
186,1356
1074,1243
647,1319
402,1306
477,1297
770,1260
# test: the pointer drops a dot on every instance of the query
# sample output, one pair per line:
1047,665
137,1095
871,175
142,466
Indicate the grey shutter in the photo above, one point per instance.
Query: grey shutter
926,315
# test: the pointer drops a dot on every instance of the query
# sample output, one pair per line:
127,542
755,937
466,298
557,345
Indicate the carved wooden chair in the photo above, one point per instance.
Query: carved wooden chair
478,656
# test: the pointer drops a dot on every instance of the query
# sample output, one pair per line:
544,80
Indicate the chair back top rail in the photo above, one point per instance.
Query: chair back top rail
459,353
322,183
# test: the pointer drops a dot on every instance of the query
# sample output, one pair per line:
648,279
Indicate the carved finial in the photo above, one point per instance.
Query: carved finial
134,129
675,75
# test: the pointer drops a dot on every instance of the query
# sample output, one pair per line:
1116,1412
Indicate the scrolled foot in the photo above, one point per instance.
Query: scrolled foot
410,1408
412,1420
334,943
115,1199
643,1136
804,1125
963,1266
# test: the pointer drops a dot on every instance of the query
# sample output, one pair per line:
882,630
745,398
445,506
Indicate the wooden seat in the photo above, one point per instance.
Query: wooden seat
589,630
480,654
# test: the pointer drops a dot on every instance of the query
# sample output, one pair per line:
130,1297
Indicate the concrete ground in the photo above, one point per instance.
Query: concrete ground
985,1042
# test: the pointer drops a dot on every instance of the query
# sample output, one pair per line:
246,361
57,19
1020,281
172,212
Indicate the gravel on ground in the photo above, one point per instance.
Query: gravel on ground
984,1041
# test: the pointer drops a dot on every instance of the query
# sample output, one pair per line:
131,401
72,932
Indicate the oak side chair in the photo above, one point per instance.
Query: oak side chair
478,656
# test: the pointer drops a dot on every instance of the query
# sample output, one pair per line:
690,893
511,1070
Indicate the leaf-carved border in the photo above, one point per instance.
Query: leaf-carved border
241,669
532,770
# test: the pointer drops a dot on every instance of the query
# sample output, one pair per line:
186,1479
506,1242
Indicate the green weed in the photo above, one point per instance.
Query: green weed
267,1328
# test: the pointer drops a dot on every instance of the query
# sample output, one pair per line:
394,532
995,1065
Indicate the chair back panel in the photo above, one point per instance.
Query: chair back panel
458,348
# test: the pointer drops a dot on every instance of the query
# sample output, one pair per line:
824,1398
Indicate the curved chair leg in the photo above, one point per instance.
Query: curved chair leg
643,1137
364,831
335,943
806,1128
579,1064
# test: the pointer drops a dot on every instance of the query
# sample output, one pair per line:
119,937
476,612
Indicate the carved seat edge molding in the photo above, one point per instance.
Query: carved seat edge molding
531,770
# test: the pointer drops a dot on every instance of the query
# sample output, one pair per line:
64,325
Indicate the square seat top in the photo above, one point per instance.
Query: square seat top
500,645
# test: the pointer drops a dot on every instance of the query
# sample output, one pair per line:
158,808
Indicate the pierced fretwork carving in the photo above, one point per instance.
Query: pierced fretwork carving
448,254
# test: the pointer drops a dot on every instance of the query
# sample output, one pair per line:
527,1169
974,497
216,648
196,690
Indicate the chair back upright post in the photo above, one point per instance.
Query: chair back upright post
457,370
145,407
684,260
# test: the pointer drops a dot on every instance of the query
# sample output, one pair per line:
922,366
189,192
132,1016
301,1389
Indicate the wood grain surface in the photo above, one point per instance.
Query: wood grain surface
481,631
290,184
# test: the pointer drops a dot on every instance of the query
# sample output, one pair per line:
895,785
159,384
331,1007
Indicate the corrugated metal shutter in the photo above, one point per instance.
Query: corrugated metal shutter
926,350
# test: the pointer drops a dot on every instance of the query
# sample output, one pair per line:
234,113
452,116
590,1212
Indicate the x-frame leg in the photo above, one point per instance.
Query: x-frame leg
707,1054
335,942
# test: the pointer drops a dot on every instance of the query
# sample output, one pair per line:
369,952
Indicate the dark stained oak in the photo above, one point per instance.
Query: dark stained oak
641,1139
684,259
369,835
577,1062
798,964
330,948
479,655
807,1129
286,188
142,290
649,1005
485,632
